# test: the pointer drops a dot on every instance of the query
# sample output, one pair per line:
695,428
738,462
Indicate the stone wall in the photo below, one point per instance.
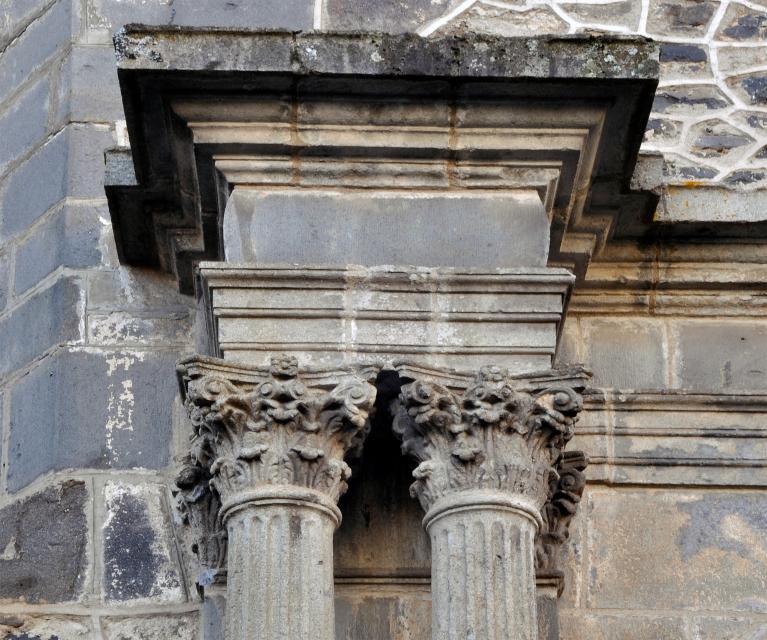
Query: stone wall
671,542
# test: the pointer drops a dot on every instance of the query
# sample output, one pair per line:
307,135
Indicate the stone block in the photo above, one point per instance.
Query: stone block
683,549
718,139
687,18
133,329
140,560
576,624
751,88
165,626
70,238
26,196
48,318
390,16
380,228
679,168
729,627
719,356
45,37
44,543
663,131
742,24
690,99
502,21
89,91
625,354
45,627
73,165
213,614
106,16
363,612
107,410
25,122
17,16
623,14
732,60
135,289
684,62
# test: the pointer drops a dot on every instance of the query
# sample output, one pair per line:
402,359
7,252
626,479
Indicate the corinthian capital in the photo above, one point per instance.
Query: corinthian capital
275,425
495,433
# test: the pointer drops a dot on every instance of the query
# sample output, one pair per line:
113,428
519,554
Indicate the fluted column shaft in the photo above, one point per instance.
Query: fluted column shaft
488,451
280,580
483,568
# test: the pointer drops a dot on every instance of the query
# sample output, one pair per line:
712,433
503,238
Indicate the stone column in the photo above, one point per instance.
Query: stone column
272,443
487,453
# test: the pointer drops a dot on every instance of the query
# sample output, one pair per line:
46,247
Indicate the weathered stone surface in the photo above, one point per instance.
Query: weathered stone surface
107,16
445,317
684,62
122,422
48,318
88,89
745,176
663,131
24,197
45,627
577,624
138,329
422,229
140,561
42,39
391,16
73,164
752,88
44,543
717,138
690,99
18,16
625,354
361,612
481,18
135,289
686,18
721,356
678,168
733,60
742,24
177,627
624,14
69,238
692,551
25,123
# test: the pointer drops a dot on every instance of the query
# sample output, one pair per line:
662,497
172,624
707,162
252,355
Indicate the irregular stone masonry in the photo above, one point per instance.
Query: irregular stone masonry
710,114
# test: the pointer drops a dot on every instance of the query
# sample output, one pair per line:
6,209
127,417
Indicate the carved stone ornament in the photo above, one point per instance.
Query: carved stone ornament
490,436
273,426
565,492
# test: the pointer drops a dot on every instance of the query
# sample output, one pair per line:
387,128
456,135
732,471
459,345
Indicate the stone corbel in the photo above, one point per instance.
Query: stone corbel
489,453
267,461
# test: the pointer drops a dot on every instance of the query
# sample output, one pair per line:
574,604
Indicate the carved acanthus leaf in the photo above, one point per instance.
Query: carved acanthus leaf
277,430
565,493
491,436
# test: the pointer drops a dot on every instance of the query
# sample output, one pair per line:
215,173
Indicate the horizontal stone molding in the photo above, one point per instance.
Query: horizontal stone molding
325,315
675,438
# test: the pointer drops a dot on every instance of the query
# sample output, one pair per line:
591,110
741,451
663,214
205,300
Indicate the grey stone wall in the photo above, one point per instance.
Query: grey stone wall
90,423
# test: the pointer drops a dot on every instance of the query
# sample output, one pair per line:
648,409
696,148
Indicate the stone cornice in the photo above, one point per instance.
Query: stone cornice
579,105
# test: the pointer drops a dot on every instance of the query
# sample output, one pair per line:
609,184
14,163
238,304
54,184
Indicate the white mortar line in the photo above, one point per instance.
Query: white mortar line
430,28
643,17
318,14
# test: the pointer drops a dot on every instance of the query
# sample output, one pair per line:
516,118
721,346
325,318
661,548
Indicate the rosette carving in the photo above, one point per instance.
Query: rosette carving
489,436
565,493
277,428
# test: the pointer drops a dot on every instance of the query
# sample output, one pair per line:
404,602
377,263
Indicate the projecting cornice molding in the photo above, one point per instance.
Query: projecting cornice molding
211,110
